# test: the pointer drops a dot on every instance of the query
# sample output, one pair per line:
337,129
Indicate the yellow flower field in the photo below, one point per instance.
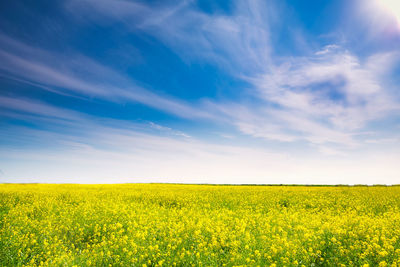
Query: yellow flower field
200,225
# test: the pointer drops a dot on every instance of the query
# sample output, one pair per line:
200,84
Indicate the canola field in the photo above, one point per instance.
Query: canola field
198,225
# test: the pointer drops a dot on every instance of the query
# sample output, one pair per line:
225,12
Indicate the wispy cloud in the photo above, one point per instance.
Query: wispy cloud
118,149
238,42
80,75
329,96
167,130
37,112
38,108
383,141
129,156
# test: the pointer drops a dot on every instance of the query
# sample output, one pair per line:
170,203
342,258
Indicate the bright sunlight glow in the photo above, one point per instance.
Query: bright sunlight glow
392,6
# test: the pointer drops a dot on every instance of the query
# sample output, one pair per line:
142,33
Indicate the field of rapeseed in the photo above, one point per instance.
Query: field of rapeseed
176,225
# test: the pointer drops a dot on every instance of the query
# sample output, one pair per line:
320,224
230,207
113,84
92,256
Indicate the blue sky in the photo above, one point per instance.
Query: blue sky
200,91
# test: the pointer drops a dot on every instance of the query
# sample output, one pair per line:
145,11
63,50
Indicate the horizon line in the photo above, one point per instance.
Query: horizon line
211,184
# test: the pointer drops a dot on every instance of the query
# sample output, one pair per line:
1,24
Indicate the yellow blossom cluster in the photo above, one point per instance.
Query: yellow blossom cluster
198,225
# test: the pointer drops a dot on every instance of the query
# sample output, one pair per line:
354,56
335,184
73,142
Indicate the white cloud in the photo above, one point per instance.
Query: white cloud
327,49
238,43
116,151
167,130
147,158
302,92
383,141
91,149
82,76
327,97
38,108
